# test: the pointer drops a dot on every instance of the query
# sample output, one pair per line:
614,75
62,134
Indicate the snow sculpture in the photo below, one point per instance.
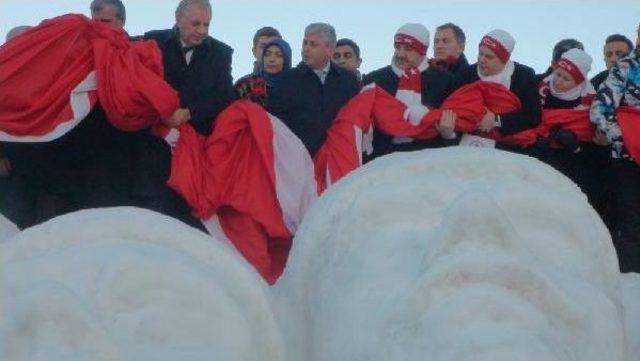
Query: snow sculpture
452,254
631,303
7,229
129,284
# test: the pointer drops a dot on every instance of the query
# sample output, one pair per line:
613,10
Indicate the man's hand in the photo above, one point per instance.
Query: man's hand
180,116
447,124
488,122
5,167
600,138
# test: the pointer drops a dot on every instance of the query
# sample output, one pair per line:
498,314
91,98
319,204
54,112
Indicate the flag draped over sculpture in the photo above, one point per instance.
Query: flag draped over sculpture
56,72
256,176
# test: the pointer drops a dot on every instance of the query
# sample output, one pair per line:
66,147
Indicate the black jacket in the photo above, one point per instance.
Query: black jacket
205,85
307,106
599,79
436,87
453,68
542,76
523,84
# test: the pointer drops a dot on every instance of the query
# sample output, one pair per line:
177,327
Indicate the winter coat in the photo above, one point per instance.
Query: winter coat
307,106
205,84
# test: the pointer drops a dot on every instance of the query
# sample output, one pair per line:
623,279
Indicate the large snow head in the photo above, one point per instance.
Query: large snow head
456,254
129,284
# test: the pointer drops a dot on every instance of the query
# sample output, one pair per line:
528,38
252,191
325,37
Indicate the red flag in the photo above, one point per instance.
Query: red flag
373,107
53,74
629,121
255,175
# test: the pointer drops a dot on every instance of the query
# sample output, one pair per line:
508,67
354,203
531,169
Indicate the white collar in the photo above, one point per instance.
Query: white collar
325,69
424,65
503,77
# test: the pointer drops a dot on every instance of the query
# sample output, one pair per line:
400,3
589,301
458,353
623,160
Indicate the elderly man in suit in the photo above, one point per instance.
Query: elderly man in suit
198,67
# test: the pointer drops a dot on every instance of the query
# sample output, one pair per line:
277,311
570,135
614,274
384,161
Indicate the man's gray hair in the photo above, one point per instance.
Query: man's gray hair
121,13
184,4
324,30
17,31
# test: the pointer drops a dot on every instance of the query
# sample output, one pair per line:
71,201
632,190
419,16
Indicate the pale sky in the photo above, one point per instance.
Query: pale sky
535,24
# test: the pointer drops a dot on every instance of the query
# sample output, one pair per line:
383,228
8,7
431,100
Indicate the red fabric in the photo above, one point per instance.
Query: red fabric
411,80
131,85
232,173
339,154
629,121
576,121
468,102
41,68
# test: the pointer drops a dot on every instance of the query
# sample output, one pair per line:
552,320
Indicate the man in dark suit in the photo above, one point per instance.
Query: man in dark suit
312,93
199,68
448,48
196,65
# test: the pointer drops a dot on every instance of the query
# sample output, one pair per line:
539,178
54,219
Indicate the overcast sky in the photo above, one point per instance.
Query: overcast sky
536,25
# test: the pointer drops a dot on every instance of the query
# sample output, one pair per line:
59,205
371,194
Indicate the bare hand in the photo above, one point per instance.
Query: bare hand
5,167
488,122
180,116
447,124
600,138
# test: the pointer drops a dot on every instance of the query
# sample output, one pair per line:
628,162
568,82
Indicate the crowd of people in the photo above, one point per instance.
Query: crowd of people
97,165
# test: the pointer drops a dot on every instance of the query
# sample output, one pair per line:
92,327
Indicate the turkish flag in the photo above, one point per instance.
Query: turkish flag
629,121
52,75
255,175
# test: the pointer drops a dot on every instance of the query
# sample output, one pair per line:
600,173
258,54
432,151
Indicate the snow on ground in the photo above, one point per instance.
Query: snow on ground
631,302
129,284
452,254
7,229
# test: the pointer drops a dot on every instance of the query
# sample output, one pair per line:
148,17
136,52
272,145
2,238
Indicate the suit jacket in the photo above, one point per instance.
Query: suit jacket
307,106
205,84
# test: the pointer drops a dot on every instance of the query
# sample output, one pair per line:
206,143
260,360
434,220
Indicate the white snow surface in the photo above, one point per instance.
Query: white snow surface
130,284
448,255
631,302
7,229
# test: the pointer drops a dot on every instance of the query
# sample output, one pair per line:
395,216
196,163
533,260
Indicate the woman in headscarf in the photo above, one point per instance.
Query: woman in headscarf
276,59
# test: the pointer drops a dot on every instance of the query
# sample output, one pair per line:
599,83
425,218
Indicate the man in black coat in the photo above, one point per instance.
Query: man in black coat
411,42
448,49
196,65
199,68
311,94
494,65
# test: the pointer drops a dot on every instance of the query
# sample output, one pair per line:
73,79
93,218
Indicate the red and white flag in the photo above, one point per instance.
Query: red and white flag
53,74
253,180
253,176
